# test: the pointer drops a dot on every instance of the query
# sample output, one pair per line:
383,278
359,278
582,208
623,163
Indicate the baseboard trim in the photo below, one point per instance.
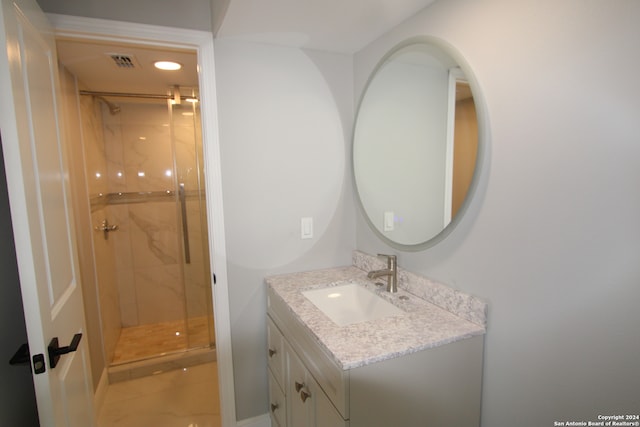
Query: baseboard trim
101,391
259,421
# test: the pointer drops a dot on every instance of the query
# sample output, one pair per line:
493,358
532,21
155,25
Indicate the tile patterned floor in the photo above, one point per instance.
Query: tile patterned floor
145,341
179,398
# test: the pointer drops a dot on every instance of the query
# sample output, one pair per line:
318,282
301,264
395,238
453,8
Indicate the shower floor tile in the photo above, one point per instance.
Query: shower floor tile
146,341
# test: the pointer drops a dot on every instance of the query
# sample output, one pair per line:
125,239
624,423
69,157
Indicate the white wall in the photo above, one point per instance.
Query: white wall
285,119
552,238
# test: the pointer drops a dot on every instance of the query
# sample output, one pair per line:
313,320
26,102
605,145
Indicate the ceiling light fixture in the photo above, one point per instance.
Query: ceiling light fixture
167,65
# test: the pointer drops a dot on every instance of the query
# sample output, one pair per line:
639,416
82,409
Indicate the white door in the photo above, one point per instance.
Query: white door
37,180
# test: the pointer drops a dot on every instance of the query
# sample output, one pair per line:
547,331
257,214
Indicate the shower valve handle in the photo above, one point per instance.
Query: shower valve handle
106,228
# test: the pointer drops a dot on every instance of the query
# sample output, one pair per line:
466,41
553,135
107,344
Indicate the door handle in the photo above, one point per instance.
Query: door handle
55,351
21,357
185,225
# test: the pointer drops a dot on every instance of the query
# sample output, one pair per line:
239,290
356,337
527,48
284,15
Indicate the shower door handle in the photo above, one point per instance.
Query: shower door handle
185,227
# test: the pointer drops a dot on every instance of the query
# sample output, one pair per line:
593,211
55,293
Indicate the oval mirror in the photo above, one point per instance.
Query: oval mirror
416,143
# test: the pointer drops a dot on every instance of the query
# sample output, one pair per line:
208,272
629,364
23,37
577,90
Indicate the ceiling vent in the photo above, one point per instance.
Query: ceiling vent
123,61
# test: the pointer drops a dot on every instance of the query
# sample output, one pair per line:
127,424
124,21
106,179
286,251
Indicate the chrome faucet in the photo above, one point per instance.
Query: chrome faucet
390,272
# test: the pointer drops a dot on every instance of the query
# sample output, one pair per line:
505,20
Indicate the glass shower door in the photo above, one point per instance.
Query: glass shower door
192,214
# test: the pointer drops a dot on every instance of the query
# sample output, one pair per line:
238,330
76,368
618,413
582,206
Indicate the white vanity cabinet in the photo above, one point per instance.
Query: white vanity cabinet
433,387
276,363
309,405
295,398
302,392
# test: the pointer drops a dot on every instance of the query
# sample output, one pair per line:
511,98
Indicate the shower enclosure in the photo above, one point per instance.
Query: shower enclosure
143,160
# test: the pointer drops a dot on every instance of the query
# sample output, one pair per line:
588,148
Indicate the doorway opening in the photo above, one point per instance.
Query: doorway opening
141,138
201,44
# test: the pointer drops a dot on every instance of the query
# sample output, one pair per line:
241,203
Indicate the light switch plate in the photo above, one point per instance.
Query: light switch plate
306,228
388,221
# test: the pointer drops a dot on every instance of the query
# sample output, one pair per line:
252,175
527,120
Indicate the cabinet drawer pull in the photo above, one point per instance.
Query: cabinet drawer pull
272,352
299,386
274,406
304,395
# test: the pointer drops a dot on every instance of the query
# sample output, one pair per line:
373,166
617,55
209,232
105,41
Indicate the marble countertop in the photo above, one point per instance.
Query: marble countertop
423,325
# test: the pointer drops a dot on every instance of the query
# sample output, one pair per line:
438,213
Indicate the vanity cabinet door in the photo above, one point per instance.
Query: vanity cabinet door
277,404
276,363
275,352
301,392
326,413
309,406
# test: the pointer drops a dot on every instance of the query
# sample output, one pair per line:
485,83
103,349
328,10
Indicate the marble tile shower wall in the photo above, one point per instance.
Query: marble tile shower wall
140,268
95,165
140,159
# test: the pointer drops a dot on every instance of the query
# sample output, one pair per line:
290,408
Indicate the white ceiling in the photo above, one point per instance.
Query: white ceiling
332,25
91,63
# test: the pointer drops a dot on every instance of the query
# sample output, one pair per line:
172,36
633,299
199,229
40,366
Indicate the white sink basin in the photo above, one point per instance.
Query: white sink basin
350,303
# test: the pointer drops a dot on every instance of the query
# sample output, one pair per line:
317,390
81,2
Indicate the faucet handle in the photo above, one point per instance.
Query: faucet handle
387,256
391,260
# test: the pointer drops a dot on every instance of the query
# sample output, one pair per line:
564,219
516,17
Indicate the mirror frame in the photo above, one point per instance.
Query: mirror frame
483,140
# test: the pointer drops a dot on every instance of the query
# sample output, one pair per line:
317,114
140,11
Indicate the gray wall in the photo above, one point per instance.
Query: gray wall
552,240
218,11
192,14
17,395
285,122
